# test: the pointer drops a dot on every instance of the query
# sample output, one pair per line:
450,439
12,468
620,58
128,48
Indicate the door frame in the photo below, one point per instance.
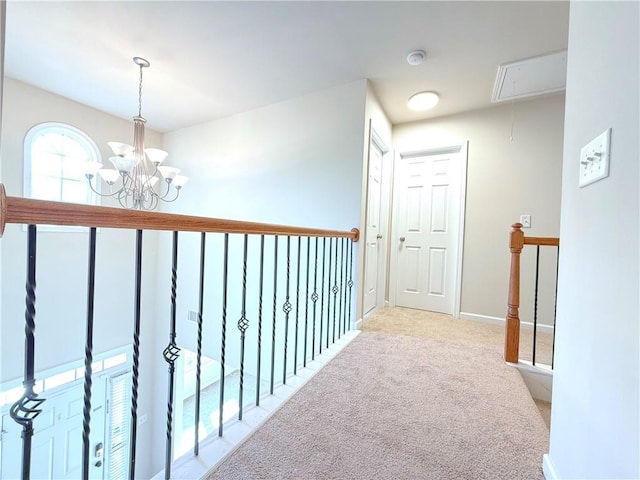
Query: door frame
383,255
461,149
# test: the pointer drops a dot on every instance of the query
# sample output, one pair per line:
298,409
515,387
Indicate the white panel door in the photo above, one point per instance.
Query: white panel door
56,449
427,216
373,252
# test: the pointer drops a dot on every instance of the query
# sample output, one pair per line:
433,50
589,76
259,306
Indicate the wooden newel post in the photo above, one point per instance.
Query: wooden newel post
512,327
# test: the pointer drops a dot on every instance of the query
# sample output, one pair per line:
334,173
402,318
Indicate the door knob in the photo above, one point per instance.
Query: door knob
402,239
379,236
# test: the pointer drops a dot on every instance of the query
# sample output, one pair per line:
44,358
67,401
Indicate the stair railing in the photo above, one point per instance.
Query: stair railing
517,241
321,308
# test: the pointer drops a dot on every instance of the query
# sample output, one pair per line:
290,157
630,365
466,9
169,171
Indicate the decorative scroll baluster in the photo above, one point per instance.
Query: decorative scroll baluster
306,306
275,306
340,309
287,309
260,320
555,308
329,291
324,257
171,353
346,275
335,294
26,409
88,355
243,324
136,357
535,306
196,442
350,282
295,344
223,343
314,299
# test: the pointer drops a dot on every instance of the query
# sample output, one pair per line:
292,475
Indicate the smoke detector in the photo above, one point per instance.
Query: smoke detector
416,57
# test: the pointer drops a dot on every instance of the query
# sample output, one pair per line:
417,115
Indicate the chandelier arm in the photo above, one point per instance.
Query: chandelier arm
111,192
174,198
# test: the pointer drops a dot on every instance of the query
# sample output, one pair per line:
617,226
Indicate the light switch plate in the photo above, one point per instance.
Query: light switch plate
594,159
525,220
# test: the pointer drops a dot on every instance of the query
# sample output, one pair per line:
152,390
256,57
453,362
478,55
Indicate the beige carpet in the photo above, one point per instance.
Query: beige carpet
418,323
394,406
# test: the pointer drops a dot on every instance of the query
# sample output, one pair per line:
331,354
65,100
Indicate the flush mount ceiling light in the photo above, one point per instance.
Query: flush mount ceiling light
423,101
416,57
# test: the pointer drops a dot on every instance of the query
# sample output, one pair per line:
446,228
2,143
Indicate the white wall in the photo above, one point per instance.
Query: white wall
504,180
595,423
61,272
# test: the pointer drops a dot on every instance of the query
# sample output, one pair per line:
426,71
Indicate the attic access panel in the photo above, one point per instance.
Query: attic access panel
531,77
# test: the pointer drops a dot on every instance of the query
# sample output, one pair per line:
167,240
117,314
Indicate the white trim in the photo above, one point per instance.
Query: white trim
548,469
496,94
501,321
464,157
381,281
214,449
358,325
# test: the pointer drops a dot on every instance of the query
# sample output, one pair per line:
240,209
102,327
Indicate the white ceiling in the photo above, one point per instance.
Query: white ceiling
213,59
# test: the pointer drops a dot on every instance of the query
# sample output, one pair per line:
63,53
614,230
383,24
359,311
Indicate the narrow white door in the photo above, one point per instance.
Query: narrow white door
427,216
373,235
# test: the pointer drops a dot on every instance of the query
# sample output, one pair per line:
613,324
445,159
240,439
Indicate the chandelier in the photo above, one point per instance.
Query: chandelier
137,180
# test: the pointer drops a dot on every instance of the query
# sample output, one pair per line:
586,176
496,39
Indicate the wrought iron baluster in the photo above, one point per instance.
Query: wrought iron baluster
324,257
555,307
287,309
535,306
295,344
223,343
171,353
314,299
196,441
136,357
27,408
329,291
88,355
334,289
350,282
346,275
275,306
341,288
260,320
243,324
306,306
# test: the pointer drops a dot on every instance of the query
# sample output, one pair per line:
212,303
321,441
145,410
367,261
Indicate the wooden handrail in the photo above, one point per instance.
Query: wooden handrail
35,212
517,241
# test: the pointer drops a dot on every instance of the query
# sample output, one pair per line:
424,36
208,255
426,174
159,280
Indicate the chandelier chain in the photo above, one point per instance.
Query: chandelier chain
140,94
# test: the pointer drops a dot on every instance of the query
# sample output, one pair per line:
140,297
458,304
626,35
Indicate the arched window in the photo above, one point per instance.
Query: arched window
56,157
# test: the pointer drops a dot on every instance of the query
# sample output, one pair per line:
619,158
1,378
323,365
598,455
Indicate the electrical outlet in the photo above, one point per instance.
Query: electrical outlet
525,220
192,316
594,159
142,419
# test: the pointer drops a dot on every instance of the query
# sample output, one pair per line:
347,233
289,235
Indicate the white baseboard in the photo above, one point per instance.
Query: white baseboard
548,469
500,321
358,324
